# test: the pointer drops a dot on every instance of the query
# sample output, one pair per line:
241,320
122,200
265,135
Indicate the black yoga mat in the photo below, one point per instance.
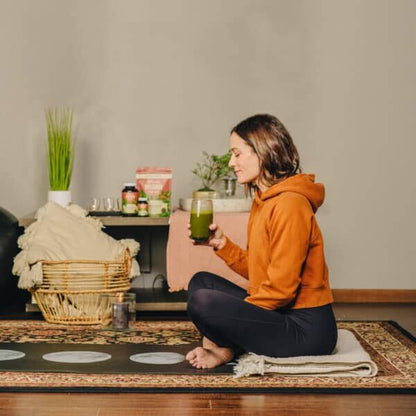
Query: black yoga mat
119,362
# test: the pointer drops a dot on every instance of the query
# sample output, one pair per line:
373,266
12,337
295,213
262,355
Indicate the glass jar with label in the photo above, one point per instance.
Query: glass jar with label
155,207
143,207
129,199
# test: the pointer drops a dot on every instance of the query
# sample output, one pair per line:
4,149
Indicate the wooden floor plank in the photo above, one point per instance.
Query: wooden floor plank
403,314
48,404
105,400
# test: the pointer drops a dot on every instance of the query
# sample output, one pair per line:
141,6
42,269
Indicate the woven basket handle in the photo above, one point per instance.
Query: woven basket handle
127,260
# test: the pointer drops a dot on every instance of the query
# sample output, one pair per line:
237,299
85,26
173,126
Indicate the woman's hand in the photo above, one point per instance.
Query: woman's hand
216,239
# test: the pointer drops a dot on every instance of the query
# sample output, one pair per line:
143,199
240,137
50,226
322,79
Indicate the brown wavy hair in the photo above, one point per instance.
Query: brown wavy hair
272,143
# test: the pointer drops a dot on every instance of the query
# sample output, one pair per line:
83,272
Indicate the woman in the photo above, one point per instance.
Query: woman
286,310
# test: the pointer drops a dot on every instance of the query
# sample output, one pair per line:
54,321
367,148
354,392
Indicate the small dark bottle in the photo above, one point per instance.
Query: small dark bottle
143,207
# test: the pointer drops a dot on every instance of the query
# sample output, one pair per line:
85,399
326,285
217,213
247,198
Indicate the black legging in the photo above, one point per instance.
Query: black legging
217,308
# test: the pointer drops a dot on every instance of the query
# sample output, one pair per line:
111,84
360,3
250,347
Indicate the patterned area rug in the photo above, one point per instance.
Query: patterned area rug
390,347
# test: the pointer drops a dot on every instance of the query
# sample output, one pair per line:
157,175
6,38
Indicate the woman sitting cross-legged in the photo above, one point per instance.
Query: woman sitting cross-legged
286,310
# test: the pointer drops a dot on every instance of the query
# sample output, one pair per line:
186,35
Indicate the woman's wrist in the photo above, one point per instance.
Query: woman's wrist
221,243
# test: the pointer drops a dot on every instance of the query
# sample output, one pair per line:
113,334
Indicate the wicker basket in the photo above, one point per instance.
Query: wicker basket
71,290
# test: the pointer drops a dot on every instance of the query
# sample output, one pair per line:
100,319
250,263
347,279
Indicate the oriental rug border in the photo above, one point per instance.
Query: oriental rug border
391,347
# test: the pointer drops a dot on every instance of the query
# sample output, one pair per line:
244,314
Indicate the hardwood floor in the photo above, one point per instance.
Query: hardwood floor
403,313
131,404
204,404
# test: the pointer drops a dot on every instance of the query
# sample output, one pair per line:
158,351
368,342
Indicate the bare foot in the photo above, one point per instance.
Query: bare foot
209,357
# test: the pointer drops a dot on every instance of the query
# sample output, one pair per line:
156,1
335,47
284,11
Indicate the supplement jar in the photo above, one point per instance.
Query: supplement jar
129,199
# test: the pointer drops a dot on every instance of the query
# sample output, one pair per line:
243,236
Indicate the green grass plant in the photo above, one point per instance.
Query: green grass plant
61,147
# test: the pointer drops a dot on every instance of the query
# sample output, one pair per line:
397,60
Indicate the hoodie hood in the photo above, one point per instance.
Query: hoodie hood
301,183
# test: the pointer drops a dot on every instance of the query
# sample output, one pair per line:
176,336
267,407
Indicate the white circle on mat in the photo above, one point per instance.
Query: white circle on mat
157,358
76,357
6,355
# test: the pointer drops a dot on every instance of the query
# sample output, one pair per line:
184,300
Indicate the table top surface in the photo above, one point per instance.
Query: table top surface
119,220
112,220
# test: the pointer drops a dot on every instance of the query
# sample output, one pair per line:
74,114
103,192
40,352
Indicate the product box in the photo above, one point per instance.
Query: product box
155,184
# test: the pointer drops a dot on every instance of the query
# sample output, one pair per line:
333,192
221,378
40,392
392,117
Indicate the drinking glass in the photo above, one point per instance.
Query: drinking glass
95,204
117,204
118,311
202,214
108,204
229,186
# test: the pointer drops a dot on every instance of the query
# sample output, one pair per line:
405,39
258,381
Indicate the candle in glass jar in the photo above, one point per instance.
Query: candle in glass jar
120,312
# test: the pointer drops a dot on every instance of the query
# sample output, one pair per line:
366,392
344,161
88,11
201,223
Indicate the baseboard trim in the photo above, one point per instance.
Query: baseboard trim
374,295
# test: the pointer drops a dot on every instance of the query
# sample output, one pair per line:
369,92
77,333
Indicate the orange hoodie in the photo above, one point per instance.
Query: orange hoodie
284,261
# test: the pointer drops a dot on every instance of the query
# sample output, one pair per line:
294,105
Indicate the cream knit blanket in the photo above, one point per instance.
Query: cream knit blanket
66,234
348,359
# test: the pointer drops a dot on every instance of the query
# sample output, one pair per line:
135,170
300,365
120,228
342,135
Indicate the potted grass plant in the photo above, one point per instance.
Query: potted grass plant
61,151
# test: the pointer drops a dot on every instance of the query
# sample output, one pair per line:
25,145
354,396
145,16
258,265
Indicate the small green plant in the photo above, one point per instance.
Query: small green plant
212,169
61,147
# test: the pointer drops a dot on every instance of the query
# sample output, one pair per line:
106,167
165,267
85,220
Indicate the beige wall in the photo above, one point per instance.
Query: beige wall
156,82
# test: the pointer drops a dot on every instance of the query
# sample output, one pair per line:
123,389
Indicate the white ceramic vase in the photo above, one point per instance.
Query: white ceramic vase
62,198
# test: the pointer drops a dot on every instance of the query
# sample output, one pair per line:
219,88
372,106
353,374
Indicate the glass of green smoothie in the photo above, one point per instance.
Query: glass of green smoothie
202,214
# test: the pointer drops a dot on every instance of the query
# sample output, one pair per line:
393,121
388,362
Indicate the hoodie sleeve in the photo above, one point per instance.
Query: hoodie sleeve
289,227
235,257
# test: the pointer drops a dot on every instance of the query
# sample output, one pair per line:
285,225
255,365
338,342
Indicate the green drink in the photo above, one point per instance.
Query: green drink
201,219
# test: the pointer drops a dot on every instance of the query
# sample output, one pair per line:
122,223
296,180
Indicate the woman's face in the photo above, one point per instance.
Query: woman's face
244,160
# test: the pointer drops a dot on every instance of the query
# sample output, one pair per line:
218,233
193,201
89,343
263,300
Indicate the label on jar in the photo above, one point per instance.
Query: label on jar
142,209
156,208
129,202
